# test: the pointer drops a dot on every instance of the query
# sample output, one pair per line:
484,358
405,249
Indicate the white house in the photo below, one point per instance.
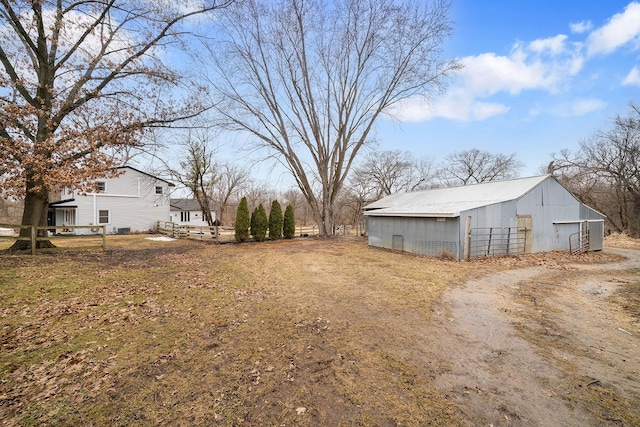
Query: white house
188,212
131,202
524,215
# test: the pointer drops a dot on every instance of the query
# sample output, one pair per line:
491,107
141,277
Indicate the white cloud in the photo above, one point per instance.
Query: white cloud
577,108
456,105
633,78
622,29
580,27
585,106
544,64
552,45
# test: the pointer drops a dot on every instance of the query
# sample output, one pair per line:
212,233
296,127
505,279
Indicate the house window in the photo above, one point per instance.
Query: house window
158,189
185,216
101,186
103,217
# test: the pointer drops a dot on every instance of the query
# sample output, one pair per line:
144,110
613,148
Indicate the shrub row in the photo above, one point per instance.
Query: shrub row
257,225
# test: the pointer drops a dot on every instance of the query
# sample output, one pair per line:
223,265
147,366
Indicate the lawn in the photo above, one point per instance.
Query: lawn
305,332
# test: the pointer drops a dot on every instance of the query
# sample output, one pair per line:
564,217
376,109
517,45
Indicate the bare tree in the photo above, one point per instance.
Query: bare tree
232,180
79,81
295,198
198,172
605,171
475,166
308,79
389,172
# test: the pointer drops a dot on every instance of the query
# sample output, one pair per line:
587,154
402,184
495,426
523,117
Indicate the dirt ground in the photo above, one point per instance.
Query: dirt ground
541,346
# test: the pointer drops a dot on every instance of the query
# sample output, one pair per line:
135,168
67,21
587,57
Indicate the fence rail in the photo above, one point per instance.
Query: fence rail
185,231
218,234
497,241
35,237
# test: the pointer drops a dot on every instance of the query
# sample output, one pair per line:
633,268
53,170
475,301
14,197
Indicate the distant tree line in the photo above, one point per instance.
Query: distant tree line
604,172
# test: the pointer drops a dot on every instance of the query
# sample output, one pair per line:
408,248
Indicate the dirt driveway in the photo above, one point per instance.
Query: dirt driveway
542,346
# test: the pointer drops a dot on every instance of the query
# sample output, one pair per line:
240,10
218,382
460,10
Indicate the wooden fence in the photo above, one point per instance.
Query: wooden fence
96,230
184,231
217,234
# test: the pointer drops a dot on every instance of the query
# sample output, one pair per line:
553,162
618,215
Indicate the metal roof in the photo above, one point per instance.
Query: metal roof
449,202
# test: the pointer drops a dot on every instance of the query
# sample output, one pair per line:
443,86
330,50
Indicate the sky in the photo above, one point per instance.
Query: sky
539,76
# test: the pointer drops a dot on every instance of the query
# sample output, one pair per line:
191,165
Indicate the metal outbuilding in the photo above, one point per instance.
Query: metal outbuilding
524,215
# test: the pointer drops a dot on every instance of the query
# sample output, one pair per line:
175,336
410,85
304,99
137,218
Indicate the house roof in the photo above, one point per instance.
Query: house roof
185,205
171,184
449,202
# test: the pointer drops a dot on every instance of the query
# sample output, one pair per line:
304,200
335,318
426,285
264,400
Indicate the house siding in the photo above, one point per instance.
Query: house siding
131,200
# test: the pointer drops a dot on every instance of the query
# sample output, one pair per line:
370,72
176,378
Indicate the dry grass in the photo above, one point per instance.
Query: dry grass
621,240
301,332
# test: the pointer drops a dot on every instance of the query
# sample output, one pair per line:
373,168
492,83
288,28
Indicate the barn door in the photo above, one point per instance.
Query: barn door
525,233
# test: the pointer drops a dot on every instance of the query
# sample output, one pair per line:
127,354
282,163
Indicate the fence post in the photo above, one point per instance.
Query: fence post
489,243
104,238
467,239
34,233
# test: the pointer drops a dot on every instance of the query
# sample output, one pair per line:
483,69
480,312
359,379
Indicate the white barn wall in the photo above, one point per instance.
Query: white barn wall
547,203
555,215
423,236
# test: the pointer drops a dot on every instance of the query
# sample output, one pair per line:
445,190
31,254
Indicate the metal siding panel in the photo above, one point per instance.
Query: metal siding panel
547,203
423,236
596,236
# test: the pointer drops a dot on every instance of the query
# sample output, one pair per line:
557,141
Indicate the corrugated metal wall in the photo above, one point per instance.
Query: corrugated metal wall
555,215
424,236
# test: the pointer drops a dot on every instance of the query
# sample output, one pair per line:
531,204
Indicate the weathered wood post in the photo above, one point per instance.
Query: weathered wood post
467,239
34,234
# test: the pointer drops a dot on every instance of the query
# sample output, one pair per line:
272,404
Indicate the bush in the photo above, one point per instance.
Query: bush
243,221
275,221
289,224
260,224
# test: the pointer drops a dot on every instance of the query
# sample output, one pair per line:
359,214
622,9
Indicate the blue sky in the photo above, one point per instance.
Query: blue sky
538,77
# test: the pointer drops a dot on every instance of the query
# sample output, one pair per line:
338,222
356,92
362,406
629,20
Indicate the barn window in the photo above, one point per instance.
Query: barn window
101,186
103,217
158,189
185,216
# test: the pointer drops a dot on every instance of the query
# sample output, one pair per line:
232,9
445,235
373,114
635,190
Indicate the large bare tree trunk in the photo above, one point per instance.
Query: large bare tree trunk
36,207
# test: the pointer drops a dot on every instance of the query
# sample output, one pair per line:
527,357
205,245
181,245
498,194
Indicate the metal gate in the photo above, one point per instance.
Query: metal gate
579,242
492,241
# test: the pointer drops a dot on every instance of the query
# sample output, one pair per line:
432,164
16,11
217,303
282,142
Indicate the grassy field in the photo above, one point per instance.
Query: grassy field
290,332
302,332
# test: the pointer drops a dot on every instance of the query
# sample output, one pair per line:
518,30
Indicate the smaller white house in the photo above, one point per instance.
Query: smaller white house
133,201
188,212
